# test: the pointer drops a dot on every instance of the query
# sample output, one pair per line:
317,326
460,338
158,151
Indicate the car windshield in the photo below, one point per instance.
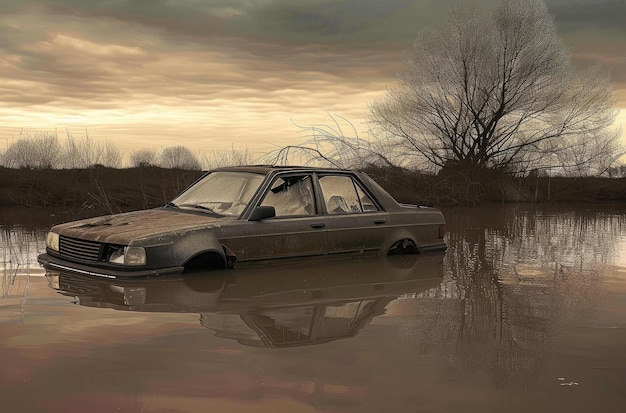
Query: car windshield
224,193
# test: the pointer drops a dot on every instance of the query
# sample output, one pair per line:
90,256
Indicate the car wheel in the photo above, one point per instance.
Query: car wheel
405,246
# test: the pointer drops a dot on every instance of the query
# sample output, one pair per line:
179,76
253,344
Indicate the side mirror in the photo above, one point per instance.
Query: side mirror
262,212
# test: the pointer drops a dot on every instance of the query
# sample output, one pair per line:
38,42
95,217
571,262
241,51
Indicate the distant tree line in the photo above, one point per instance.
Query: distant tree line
45,150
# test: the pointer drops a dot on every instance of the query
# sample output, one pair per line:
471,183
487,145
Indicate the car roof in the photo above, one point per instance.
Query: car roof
266,169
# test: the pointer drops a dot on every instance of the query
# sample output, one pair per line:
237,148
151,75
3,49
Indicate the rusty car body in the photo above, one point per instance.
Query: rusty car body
248,214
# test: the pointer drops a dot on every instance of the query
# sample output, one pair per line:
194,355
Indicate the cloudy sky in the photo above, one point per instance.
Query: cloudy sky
217,74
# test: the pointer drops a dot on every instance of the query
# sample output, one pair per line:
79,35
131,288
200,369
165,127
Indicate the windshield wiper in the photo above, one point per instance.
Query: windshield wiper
196,206
171,205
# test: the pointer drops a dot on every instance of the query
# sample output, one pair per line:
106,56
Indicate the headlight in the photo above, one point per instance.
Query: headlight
128,256
52,241
134,256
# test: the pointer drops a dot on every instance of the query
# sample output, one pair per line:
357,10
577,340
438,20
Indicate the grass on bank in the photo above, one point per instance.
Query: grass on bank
93,191
100,190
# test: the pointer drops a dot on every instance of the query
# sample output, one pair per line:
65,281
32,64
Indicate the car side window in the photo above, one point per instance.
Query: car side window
344,196
367,204
291,196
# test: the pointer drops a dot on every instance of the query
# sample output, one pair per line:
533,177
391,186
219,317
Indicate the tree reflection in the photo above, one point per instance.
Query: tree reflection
513,276
18,255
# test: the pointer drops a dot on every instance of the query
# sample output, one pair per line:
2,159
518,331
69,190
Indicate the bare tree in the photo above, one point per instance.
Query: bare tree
110,155
80,152
337,144
227,157
143,157
497,90
38,151
178,157
18,154
84,152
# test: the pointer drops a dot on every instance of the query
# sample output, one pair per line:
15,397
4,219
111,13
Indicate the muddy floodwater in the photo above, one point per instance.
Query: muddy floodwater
525,312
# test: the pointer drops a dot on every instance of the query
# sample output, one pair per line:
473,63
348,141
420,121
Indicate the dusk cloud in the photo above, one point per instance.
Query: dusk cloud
219,73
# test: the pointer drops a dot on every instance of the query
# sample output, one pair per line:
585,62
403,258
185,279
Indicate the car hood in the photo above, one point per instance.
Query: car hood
122,228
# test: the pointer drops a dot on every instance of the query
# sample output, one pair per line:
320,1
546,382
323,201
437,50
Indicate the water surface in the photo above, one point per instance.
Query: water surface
525,312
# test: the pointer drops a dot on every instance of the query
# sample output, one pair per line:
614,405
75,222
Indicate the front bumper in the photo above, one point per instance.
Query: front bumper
53,263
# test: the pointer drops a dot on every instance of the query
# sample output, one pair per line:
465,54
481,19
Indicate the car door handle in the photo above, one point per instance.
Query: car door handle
380,221
318,225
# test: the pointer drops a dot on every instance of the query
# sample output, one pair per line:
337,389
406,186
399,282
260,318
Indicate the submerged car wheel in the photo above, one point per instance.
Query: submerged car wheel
207,260
405,246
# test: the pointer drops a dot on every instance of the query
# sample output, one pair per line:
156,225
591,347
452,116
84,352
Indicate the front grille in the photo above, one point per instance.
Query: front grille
79,249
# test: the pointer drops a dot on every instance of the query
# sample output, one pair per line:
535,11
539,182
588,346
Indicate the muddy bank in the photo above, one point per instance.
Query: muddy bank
461,189
94,191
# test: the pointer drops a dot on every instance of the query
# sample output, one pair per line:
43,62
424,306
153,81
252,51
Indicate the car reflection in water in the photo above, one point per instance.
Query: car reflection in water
275,306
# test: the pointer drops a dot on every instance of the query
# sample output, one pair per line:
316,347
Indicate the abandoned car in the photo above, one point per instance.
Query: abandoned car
247,214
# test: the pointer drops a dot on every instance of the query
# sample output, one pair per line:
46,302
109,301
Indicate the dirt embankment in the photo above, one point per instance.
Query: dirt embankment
99,190
462,189
96,190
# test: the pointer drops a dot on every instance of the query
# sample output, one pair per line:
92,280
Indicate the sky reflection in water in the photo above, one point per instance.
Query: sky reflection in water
526,311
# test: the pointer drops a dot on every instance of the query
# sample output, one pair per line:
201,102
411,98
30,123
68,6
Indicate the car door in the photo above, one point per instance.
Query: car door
355,221
297,230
